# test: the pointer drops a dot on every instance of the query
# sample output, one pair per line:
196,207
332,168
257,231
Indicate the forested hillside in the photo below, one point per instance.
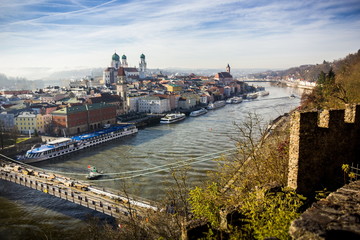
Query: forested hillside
311,72
338,86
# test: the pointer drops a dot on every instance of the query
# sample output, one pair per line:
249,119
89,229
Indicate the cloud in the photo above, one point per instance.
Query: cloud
184,33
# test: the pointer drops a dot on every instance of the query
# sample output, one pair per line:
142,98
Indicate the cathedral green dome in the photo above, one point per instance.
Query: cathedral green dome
123,56
142,56
115,57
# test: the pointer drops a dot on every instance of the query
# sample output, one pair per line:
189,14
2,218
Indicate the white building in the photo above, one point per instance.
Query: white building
110,73
132,73
132,102
153,104
204,99
227,91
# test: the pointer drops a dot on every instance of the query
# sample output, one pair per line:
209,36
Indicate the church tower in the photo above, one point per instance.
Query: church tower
228,68
115,61
124,61
142,66
121,88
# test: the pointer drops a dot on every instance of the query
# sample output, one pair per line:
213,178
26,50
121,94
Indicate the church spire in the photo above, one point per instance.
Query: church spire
228,68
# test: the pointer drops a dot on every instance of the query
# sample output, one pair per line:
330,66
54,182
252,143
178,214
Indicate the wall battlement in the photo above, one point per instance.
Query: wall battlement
319,144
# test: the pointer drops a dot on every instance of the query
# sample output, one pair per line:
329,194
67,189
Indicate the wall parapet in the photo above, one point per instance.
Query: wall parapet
320,142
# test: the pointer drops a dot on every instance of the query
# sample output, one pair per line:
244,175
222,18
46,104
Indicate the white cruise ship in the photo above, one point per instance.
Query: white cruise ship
264,93
234,100
252,96
63,146
215,105
198,112
172,117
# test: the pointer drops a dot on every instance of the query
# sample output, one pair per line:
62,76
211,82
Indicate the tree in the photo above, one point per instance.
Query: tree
259,166
269,214
321,78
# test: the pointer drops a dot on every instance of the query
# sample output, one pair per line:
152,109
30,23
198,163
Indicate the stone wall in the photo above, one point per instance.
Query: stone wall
319,144
336,217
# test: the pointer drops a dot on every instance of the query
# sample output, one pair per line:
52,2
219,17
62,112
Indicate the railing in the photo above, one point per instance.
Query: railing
354,172
101,200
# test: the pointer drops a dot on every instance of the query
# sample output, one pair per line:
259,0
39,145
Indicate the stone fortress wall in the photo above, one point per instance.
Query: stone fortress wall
319,144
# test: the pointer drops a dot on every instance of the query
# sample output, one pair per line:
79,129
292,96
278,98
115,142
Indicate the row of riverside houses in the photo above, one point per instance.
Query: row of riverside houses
64,121
76,109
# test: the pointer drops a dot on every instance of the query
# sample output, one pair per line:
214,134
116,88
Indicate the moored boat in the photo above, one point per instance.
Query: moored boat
198,112
215,105
264,93
234,100
252,96
63,146
172,118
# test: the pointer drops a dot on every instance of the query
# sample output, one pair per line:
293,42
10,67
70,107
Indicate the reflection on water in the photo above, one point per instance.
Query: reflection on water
143,161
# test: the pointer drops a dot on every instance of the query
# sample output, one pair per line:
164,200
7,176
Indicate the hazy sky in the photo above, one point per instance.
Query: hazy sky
176,33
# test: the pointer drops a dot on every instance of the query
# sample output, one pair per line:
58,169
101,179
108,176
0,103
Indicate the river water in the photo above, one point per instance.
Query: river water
139,163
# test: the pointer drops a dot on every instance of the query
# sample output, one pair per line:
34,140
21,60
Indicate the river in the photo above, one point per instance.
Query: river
139,163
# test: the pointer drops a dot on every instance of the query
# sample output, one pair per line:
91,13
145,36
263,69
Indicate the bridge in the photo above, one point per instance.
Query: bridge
257,80
105,201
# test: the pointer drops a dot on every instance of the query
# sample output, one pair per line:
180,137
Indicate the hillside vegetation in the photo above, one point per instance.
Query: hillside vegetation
336,87
311,72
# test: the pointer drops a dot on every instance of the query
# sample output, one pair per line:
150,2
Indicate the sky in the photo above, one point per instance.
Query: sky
68,34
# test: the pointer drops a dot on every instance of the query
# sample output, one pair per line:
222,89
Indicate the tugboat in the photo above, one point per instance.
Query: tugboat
93,173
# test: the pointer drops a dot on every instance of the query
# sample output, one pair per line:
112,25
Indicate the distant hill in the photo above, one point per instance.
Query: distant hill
18,83
307,72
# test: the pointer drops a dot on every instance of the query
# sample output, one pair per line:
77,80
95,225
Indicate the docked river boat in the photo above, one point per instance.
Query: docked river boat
264,93
234,100
215,105
252,96
198,112
172,118
63,146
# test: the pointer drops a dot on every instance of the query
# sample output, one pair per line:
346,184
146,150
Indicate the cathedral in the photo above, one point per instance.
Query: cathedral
132,73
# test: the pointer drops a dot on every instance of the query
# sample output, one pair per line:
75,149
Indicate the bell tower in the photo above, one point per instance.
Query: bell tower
115,61
121,88
228,68
142,66
124,61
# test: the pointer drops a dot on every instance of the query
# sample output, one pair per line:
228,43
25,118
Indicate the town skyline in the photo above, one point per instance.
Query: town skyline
188,34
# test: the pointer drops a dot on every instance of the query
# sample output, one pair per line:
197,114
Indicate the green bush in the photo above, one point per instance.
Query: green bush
270,214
